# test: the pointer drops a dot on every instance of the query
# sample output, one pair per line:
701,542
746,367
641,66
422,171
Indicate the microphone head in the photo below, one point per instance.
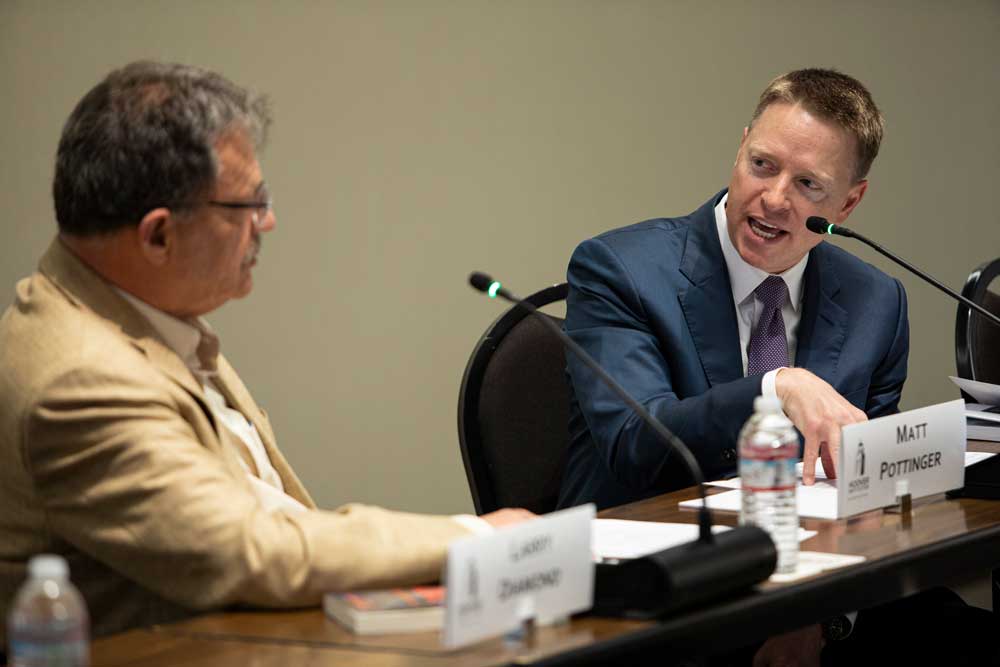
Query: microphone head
480,280
819,225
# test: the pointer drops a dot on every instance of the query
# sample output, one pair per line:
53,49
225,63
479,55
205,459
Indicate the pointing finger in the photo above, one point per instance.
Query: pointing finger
809,461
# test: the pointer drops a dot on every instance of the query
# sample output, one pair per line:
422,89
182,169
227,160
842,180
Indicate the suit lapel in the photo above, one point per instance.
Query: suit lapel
823,325
239,398
86,289
707,302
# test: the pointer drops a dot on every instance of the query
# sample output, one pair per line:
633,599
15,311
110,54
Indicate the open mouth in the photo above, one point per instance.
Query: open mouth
764,230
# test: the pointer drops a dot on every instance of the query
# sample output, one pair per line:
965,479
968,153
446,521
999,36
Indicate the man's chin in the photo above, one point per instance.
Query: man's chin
246,286
764,258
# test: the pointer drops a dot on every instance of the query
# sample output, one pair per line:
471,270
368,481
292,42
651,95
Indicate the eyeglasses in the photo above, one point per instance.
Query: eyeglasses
260,209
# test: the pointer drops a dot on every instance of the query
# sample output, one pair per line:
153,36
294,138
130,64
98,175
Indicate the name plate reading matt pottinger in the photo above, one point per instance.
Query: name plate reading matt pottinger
541,568
926,447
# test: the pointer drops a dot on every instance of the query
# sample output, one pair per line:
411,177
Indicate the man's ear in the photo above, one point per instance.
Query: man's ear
155,235
854,196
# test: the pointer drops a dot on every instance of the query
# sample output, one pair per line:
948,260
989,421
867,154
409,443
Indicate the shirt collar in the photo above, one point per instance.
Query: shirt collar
183,337
744,277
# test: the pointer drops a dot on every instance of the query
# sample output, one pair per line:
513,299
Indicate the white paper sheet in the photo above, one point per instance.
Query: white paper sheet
734,482
814,562
818,501
983,392
976,457
621,539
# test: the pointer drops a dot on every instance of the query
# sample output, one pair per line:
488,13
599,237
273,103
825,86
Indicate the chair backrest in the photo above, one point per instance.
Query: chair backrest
977,340
513,411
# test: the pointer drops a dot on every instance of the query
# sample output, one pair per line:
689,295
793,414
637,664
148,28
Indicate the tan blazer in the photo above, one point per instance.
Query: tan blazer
110,456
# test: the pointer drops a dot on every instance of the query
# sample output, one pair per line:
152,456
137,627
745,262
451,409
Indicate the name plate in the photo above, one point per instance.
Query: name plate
540,568
926,447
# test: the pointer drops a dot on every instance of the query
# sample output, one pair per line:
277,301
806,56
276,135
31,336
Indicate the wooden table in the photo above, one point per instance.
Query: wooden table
943,542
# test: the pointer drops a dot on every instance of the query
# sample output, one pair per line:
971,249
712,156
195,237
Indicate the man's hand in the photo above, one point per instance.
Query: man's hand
798,648
818,411
508,517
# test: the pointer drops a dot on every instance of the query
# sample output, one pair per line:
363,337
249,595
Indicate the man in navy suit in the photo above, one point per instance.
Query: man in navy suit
671,306
696,316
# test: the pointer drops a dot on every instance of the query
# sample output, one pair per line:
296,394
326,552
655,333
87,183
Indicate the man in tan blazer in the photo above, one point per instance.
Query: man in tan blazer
127,443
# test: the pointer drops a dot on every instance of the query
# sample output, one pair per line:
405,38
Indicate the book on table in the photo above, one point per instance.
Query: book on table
397,610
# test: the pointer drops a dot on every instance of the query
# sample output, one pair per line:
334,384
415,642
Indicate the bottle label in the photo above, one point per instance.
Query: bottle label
73,653
767,474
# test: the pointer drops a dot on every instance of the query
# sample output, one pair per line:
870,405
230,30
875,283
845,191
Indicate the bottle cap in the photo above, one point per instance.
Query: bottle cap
48,566
767,404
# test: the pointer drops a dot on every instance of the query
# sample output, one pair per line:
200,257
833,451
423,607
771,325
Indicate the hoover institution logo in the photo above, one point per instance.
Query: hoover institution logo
859,485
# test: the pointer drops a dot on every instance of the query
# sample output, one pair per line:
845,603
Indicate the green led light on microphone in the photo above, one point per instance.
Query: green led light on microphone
829,228
494,289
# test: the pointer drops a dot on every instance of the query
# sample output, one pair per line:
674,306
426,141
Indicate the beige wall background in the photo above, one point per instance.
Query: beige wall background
416,141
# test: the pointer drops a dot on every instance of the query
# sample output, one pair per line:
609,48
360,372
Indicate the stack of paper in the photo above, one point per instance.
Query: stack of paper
620,539
818,501
983,417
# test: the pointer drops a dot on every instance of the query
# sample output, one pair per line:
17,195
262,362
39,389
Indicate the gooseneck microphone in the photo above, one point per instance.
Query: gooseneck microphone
711,566
484,283
821,226
982,480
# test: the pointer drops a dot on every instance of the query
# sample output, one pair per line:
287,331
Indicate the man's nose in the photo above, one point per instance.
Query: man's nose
775,197
269,222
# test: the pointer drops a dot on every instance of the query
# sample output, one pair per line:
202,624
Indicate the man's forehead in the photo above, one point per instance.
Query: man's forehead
238,167
805,140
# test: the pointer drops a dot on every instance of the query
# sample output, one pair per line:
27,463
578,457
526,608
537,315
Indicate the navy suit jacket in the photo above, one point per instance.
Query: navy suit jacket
653,304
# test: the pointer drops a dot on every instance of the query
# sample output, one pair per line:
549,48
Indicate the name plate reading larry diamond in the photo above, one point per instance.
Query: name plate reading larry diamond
539,569
926,447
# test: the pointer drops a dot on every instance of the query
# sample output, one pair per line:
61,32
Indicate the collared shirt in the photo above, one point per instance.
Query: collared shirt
744,279
184,338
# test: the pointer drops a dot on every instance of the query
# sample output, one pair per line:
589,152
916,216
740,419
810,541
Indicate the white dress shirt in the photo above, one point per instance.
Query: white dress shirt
183,338
744,279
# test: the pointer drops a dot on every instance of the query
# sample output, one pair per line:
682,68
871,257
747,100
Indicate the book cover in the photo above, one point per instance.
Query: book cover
397,610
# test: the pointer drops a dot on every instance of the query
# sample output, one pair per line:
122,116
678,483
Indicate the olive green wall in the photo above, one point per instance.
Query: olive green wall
417,140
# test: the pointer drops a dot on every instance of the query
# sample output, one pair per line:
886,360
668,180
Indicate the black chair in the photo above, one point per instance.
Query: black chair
977,340
513,411
977,357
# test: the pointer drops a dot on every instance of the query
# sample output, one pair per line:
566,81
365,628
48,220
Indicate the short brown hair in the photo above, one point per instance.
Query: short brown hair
834,97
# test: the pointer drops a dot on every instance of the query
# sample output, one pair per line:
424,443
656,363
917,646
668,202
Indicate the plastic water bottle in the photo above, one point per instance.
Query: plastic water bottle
48,625
769,450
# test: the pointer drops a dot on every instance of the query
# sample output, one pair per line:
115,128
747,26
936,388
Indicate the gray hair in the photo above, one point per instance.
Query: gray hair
144,138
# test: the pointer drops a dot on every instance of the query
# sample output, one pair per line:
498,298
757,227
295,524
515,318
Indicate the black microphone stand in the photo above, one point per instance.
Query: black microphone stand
982,480
821,226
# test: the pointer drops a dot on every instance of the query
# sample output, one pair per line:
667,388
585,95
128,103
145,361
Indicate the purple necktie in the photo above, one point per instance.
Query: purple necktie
768,346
